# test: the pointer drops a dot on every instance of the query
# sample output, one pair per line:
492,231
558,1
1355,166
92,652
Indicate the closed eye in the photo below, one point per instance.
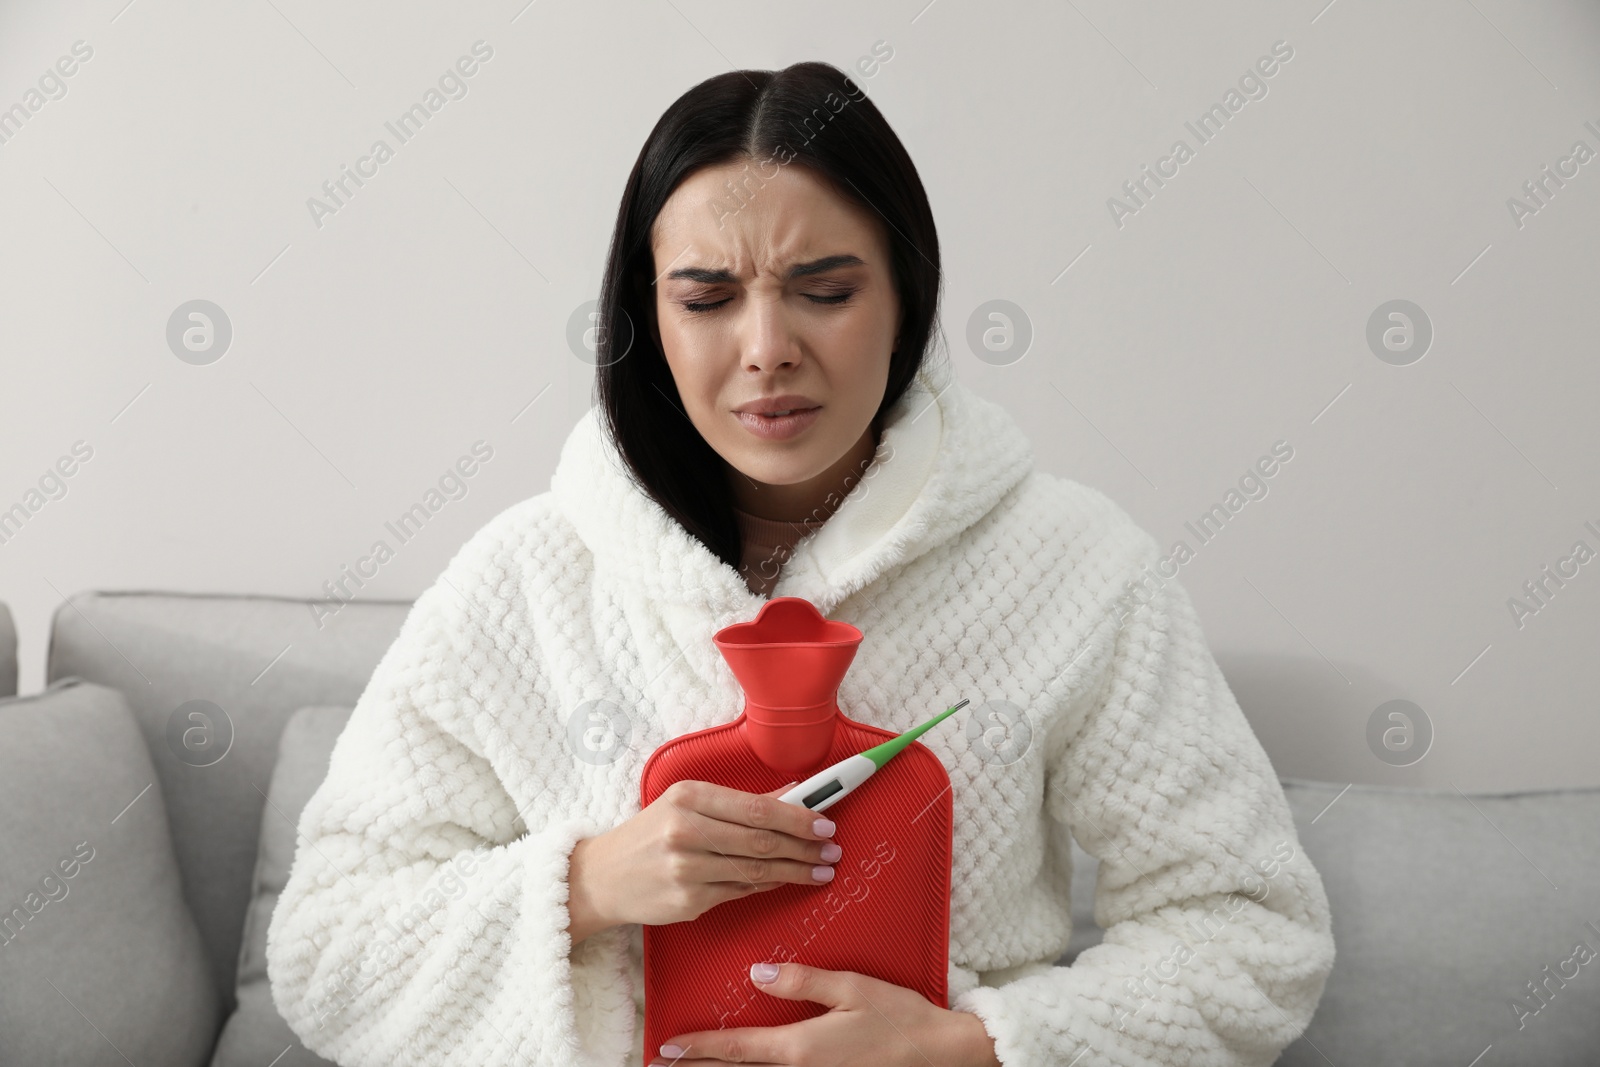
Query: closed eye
838,298
834,300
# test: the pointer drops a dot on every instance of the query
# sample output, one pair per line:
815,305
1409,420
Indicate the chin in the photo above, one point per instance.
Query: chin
776,473
781,462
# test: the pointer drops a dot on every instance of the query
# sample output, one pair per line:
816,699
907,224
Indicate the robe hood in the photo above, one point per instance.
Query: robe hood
945,458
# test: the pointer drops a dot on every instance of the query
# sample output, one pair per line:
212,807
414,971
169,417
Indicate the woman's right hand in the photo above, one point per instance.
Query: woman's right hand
697,845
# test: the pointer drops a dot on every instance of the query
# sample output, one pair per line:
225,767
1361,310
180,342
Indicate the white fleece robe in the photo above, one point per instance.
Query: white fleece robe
424,920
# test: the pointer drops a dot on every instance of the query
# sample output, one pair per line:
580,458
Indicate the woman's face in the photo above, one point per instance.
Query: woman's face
785,289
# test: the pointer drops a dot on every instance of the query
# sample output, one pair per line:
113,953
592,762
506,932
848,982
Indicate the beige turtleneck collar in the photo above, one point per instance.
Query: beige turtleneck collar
767,544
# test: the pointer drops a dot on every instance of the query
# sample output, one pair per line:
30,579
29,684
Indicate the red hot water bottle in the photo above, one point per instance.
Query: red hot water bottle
887,911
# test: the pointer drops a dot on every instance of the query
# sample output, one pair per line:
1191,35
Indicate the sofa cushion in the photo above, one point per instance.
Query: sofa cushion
1446,906
1085,932
256,1034
257,659
100,958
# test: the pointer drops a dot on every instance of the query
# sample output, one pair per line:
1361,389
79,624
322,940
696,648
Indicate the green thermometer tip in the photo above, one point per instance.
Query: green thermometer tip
881,754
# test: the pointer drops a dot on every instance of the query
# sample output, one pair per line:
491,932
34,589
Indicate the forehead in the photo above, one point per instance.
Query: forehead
760,218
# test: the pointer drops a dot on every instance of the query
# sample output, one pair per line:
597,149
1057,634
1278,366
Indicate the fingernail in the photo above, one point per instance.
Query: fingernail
822,828
671,1051
822,874
831,852
764,972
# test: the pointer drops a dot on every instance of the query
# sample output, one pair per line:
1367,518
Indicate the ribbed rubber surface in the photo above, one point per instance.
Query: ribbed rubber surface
885,914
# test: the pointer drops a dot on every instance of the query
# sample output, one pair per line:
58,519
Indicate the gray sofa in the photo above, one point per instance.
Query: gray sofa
166,762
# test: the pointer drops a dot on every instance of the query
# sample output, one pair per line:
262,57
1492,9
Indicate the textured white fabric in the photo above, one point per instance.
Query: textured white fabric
432,860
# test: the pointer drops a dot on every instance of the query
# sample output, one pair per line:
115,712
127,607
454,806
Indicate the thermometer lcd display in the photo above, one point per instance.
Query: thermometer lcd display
817,796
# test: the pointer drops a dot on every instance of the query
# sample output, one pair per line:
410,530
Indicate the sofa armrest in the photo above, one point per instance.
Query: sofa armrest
8,654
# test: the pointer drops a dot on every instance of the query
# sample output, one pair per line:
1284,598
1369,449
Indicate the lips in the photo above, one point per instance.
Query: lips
775,427
783,404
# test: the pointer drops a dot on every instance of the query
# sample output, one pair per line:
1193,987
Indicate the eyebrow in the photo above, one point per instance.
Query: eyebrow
799,270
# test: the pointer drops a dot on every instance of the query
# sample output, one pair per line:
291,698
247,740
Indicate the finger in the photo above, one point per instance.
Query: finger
800,981
716,848
743,889
726,891
739,842
698,1062
746,1045
759,810
717,867
707,860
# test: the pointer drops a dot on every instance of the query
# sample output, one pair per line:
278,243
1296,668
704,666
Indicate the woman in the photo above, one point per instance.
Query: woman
474,871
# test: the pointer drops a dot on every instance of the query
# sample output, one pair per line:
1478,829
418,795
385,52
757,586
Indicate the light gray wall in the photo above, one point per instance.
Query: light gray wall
1171,347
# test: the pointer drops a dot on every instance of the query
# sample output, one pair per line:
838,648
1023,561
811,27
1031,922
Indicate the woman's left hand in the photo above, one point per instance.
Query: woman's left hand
870,1023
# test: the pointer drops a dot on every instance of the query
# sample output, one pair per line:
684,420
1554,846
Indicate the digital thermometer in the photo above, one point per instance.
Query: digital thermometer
827,787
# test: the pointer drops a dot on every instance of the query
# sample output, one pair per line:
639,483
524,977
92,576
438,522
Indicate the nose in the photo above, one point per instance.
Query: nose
767,339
